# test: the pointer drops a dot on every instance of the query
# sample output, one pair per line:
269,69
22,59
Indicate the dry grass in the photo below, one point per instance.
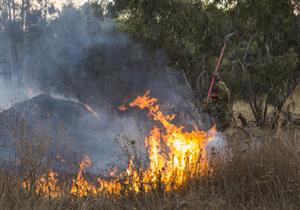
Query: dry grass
264,178
244,108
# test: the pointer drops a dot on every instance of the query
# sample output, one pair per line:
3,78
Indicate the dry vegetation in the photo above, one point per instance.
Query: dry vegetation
265,176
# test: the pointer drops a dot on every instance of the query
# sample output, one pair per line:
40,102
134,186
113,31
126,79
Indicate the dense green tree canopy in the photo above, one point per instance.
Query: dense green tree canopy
261,64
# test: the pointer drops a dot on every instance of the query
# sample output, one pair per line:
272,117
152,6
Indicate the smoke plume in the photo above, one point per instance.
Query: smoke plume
82,58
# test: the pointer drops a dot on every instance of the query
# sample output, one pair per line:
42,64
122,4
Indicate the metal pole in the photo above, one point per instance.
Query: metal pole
213,80
216,71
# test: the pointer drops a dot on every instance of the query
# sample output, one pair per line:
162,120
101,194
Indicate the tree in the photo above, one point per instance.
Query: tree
265,56
19,22
261,64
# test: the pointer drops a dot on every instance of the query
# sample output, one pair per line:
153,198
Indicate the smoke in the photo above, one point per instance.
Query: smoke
217,150
81,56
84,59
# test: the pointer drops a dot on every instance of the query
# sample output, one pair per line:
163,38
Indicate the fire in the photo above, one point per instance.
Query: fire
80,186
175,155
46,186
91,110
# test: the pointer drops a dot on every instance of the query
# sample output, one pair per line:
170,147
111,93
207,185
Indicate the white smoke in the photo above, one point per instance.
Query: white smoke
11,93
217,149
57,63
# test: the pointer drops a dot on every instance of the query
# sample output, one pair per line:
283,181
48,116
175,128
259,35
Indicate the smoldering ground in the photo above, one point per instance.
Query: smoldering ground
84,59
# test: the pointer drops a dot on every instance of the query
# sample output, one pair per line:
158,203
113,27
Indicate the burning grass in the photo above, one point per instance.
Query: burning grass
267,178
174,156
178,175
256,179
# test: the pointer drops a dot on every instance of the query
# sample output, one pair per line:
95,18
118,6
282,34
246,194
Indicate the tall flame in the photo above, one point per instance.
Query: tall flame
175,155
80,186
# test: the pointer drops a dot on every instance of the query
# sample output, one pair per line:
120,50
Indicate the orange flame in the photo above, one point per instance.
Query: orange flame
175,155
80,186
46,186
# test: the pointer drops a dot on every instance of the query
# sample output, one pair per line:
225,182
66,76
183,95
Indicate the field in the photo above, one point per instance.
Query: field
149,104
260,170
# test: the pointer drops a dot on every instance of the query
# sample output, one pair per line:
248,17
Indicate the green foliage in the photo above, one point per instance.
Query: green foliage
261,63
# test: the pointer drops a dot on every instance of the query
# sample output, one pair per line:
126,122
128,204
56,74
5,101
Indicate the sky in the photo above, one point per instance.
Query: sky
60,3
